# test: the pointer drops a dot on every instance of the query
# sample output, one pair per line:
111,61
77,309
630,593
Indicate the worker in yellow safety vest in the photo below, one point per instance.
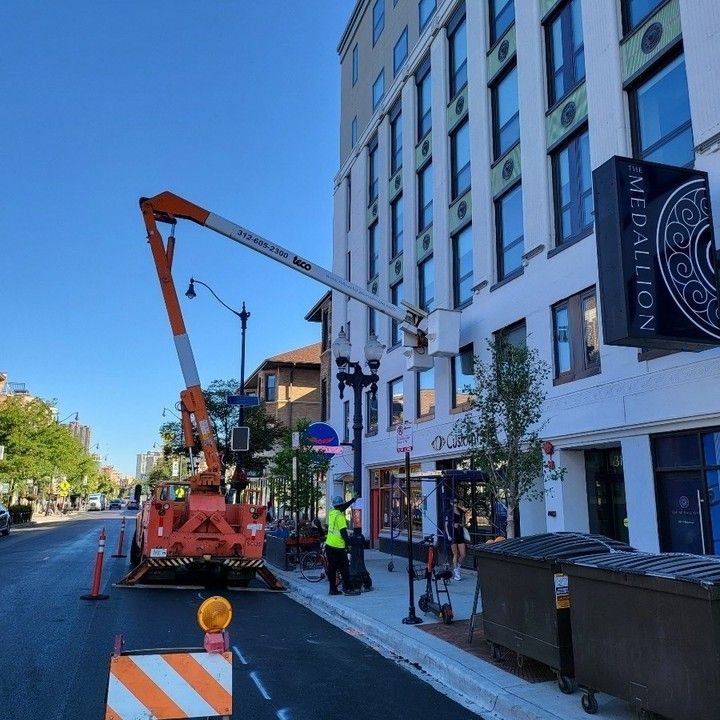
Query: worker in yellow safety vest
336,547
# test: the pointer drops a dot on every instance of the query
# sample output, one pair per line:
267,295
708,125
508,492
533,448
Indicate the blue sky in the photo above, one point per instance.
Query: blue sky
233,105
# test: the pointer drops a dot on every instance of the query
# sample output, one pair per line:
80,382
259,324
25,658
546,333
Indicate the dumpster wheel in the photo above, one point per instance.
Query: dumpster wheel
589,703
566,684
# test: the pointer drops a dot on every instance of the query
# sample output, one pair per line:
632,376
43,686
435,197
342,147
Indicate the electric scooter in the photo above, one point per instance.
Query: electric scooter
429,601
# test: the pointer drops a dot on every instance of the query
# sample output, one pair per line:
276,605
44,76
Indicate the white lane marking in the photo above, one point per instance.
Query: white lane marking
259,685
283,714
240,655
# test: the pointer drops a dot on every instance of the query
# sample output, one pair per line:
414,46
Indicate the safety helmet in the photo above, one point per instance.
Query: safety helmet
337,500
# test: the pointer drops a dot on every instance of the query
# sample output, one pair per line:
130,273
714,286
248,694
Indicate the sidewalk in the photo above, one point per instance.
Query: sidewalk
375,617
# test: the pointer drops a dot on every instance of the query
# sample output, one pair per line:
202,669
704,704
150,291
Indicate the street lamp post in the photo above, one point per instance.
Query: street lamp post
238,479
350,374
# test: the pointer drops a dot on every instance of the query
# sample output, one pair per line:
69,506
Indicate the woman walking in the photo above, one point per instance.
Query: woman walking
458,542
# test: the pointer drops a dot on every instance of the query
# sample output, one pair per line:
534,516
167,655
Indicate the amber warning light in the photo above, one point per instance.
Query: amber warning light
215,614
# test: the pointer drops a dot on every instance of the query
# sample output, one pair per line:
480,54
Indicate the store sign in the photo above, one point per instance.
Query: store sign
656,256
453,441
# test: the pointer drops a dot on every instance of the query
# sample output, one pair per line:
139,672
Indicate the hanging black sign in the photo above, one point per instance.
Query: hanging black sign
656,256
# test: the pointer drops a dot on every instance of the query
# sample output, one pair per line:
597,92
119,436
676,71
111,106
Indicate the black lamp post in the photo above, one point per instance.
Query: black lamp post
351,375
238,481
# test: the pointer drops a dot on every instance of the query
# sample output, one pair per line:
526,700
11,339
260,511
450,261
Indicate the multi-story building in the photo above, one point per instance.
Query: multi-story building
145,462
469,134
322,312
288,385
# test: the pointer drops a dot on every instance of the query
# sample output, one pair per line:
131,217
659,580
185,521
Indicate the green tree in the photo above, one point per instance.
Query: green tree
263,431
311,467
38,449
503,424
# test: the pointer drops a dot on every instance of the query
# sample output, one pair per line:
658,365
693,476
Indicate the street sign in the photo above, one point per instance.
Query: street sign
295,440
240,439
243,400
2,452
4,487
404,437
327,449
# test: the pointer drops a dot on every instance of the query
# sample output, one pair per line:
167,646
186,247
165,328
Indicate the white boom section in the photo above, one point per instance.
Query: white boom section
276,252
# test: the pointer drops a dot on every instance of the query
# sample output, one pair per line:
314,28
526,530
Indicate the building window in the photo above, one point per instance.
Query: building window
325,332
373,251
426,284
425,197
506,114
460,160
395,401
323,399
372,322
348,268
509,229
346,421
515,334
635,11
457,40
396,233
353,132
575,337
378,89
462,261
424,108
462,375
572,179
378,19
660,109
270,388
373,172
502,16
425,393
396,139
371,413
396,295
400,51
348,204
426,9
566,55
355,64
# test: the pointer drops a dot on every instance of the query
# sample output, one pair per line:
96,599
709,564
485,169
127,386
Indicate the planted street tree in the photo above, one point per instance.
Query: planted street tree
503,424
312,466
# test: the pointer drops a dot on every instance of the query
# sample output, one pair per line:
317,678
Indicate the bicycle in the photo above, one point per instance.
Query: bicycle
314,565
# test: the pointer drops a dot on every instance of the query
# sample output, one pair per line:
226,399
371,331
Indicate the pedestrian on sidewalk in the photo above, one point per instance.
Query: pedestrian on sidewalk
458,544
336,545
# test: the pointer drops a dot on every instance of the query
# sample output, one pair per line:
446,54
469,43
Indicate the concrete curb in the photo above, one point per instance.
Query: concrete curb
479,694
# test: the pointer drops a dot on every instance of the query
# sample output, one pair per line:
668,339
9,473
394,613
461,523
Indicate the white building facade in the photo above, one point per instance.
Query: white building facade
469,132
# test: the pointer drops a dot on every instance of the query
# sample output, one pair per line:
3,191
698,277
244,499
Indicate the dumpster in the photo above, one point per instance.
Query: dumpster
525,600
646,628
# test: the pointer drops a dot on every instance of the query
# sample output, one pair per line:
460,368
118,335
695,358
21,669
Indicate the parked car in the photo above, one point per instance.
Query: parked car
133,505
5,521
116,504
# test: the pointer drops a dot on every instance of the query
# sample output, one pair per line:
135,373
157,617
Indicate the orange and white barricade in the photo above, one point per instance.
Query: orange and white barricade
175,684
169,686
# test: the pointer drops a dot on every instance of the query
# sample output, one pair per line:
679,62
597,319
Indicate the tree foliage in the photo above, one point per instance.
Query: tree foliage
264,433
38,450
503,424
312,466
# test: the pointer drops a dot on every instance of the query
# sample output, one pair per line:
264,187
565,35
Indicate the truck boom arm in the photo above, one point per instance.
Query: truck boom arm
167,207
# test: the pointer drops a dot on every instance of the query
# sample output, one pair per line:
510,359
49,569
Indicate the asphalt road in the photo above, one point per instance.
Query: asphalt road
289,663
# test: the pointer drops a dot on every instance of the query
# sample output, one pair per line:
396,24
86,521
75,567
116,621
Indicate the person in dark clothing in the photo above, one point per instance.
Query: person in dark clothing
336,545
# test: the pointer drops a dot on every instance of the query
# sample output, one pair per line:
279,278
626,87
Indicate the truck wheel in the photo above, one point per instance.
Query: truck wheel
135,554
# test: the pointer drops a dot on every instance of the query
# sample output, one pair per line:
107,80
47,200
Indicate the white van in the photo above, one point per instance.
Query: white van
96,501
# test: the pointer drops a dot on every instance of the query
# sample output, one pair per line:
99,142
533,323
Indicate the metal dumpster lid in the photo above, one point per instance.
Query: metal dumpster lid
554,546
700,569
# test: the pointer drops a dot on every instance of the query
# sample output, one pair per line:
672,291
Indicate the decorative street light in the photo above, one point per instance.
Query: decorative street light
238,480
75,419
351,375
